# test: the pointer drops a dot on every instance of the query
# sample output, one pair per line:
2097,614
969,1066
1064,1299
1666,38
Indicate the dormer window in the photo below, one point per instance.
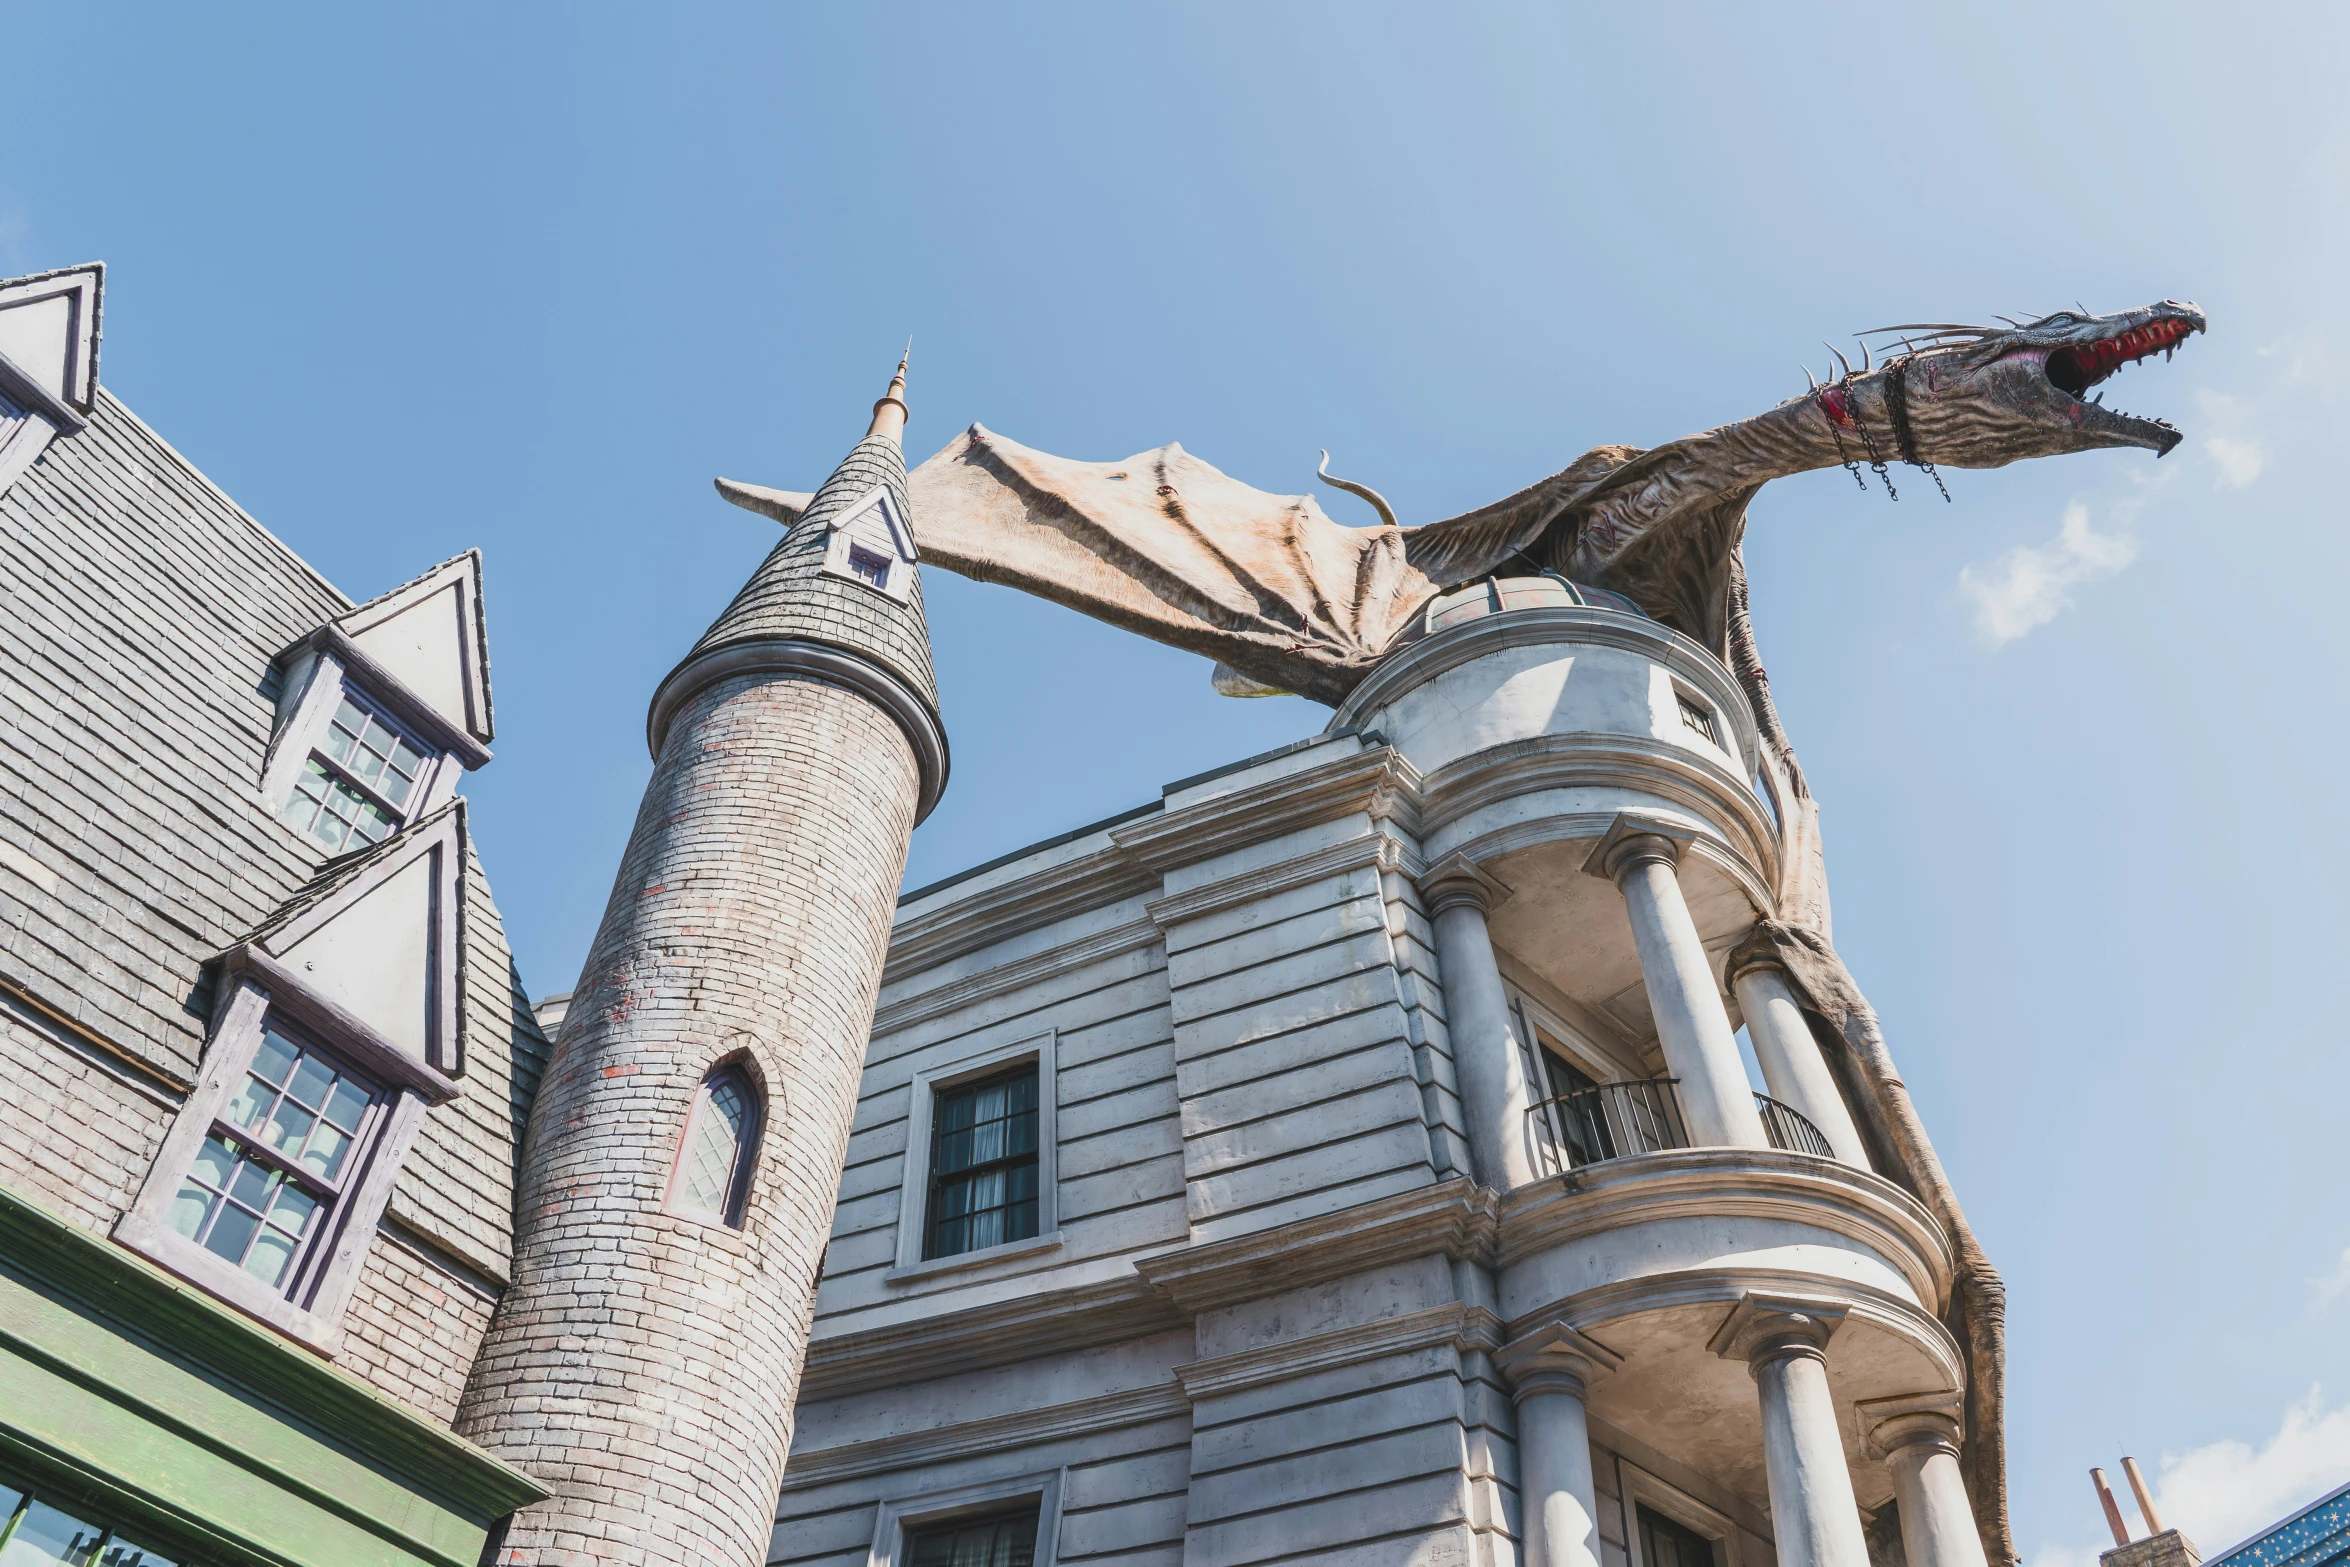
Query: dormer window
868,542
359,784
380,710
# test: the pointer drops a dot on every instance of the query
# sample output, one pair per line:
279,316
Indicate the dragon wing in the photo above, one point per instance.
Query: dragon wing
1170,547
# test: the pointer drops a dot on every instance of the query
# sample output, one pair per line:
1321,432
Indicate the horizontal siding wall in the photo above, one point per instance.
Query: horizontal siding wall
1367,1461
1294,1045
1124,1497
1120,1149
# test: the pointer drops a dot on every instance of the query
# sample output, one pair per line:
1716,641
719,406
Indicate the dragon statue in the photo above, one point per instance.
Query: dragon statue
1287,600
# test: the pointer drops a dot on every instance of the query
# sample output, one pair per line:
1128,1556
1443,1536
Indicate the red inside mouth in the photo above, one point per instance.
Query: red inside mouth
2078,367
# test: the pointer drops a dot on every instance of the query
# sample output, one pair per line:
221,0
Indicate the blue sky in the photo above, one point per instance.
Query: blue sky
410,281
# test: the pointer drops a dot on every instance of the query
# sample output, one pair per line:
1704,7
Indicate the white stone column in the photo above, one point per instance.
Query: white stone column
1486,1057
1814,1517
1692,1025
1918,1438
1791,1060
1550,1371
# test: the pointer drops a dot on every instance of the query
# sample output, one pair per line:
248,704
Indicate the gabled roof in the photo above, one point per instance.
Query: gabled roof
377,934
430,635
49,334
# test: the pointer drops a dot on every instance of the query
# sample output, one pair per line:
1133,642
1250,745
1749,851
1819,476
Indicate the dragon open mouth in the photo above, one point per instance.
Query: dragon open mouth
2074,370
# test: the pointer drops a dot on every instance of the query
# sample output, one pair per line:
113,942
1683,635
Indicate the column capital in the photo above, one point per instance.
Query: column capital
1635,838
1455,880
1763,1328
1759,962
1913,1422
1553,1358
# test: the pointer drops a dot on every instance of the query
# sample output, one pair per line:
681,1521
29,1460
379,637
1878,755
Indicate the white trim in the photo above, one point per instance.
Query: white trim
842,534
914,1187
24,446
895,1516
1638,1488
324,1287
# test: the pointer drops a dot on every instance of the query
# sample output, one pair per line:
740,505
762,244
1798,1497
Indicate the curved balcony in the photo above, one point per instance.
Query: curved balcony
1613,1120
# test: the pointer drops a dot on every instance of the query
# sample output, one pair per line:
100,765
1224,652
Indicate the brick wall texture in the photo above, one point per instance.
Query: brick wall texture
645,1365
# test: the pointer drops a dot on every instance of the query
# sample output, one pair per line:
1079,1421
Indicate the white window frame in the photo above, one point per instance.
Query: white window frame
914,1189
899,1516
1687,699
842,535
1638,1488
257,986
315,686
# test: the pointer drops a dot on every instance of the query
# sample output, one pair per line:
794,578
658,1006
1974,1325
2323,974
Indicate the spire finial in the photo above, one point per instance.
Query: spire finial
890,414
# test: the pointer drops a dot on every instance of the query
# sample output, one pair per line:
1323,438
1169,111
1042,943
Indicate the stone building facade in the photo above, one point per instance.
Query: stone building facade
1346,1158
1403,1197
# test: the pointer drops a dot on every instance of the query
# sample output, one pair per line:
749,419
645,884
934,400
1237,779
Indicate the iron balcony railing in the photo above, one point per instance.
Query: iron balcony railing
1789,1130
1642,1116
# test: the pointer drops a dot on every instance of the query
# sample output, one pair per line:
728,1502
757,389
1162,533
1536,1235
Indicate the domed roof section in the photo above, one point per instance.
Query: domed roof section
795,595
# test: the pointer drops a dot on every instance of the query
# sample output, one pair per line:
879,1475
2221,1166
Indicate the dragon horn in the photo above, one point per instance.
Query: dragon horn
1807,380
1840,359
1377,500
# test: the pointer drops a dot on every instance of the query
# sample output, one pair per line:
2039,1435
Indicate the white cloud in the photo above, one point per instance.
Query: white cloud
2032,584
2238,460
2323,1292
2220,1494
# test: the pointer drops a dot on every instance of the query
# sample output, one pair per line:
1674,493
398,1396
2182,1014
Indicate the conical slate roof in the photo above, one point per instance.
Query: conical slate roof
790,595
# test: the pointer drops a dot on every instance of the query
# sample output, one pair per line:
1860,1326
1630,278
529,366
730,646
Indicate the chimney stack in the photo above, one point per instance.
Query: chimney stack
2161,1547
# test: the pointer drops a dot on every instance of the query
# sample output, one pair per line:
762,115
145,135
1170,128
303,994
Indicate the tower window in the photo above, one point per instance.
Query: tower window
983,1164
358,782
868,566
720,1148
1698,718
1003,1540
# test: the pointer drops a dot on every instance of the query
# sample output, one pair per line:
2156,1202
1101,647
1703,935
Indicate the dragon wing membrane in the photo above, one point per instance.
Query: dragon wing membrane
1170,547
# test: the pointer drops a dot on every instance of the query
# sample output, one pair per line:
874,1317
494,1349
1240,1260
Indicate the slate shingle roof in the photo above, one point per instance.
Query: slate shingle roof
791,596
141,613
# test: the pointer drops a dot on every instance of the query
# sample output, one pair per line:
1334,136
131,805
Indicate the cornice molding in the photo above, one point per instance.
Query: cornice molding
1380,848
1471,640
992,914
1456,1218
977,1337
1460,1325
942,1444
1659,769
1006,978
1381,783
839,666
1720,1183
1592,1310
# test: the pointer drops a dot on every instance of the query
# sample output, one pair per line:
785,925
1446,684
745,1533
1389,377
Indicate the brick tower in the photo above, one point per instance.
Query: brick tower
684,1153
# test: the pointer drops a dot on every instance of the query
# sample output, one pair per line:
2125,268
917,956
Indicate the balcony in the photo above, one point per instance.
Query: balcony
1615,1120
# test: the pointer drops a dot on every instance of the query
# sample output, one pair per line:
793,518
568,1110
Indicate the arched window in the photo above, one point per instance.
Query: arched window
721,1145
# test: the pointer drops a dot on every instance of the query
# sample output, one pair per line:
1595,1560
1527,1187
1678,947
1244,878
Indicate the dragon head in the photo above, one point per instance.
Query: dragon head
1982,397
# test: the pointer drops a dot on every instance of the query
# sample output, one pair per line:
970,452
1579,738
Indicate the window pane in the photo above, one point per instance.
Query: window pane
346,1105
717,1146
47,1537
231,1233
253,1185
311,1082
270,1256
215,1162
324,1156
188,1209
289,1128
1002,1541
275,1057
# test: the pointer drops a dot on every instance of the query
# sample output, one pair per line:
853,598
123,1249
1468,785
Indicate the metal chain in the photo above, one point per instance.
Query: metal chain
1836,430
1897,407
1876,463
